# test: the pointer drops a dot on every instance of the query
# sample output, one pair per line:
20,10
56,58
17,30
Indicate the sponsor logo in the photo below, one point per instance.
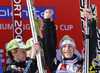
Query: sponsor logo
62,27
17,18
14,46
6,12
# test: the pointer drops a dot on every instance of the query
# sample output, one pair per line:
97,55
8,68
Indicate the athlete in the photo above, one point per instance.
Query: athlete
20,63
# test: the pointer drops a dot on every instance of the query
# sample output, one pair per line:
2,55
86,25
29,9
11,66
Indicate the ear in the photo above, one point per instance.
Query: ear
62,53
29,53
74,50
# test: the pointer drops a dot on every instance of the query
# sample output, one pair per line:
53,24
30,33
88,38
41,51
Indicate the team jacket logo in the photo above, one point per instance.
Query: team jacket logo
63,67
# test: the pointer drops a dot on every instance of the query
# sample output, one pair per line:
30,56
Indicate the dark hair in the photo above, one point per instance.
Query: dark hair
10,53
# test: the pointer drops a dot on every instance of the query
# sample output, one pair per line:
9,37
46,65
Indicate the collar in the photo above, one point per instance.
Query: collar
72,60
19,64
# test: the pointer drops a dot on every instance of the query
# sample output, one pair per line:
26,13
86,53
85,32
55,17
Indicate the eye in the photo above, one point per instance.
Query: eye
23,51
64,46
70,46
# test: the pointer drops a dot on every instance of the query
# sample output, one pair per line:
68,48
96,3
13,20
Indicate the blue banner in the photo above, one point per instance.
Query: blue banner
0,66
6,12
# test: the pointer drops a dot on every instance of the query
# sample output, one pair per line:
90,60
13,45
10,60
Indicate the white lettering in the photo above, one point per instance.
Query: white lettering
23,27
8,12
37,13
10,27
17,23
2,51
4,27
2,60
18,30
2,13
26,12
42,14
18,15
17,2
6,45
0,26
56,27
66,27
28,26
18,7
61,27
71,26
19,36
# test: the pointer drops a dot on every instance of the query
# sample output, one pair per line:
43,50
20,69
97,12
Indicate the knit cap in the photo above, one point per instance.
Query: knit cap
67,40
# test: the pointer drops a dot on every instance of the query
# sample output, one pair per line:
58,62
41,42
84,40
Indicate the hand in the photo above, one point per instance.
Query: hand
88,13
40,21
29,53
79,70
48,14
32,53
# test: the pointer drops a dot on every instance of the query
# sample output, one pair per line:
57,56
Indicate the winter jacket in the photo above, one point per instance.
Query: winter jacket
21,67
50,42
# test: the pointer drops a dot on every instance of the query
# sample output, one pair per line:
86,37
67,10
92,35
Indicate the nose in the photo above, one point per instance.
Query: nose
66,49
25,53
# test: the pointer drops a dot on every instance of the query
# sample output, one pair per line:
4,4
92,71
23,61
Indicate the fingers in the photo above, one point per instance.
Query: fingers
29,53
87,10
40,21
48,13
88,13
36,47
32,53
79,69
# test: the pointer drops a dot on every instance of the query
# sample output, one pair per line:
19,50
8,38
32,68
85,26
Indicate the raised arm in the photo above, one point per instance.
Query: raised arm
92,34
50,39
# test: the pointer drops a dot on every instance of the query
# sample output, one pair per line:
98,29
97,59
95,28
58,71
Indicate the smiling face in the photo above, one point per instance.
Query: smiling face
68,50
20,55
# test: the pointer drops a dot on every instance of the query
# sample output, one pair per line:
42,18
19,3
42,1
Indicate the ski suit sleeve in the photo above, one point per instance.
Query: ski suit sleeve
50,42
8,69
92,39
32,68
